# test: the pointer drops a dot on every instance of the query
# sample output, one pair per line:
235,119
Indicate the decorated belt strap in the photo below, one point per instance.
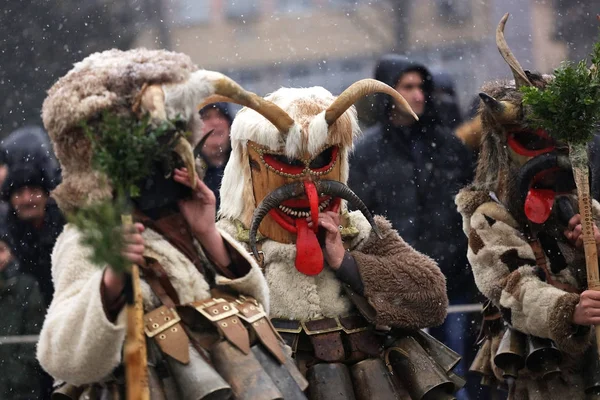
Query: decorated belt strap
256,318
163,324
225,317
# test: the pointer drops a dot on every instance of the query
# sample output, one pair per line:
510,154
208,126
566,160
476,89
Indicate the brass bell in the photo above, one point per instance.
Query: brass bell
543,357
372,380
423,378
442,354
482,362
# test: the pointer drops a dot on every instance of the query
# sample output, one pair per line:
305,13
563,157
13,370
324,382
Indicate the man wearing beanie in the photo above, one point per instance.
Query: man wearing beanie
33,221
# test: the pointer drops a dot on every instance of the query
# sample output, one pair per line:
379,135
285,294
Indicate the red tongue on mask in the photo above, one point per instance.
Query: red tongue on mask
309,256
538,205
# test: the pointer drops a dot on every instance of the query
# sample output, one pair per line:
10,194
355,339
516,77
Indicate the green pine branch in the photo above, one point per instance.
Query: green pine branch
569,107
124,149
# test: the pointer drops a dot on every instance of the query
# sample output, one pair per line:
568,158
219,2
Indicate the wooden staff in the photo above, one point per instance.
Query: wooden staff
587,223
136,362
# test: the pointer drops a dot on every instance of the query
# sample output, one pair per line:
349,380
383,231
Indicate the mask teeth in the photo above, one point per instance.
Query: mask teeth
324,204
303,214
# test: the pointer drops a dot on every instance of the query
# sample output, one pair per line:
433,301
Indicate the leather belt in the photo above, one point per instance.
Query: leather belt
224,316
349,325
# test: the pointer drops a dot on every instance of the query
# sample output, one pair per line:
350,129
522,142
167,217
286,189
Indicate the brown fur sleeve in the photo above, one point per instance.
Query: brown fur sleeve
406,288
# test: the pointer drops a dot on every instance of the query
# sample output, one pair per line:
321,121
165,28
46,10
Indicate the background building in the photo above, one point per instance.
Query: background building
265,44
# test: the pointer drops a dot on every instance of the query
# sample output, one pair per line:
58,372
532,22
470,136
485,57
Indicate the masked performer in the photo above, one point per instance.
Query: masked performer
334,276
525,248
204,297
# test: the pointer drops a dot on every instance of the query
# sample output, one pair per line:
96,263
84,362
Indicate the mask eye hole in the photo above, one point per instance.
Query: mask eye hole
530,143
284,164
324,160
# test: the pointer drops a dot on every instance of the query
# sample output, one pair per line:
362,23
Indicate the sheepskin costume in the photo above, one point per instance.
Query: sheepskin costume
404,288
78,343
514,215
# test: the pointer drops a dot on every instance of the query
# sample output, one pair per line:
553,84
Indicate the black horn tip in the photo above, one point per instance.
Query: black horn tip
491,102
254,251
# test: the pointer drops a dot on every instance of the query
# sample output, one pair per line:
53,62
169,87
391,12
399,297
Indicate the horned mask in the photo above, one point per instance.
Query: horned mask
134,83
523,165
285,170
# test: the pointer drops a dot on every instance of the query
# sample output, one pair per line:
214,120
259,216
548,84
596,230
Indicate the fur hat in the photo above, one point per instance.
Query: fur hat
164,84
110,80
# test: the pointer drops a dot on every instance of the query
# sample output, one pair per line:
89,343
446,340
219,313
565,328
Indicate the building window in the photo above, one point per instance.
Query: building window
190,12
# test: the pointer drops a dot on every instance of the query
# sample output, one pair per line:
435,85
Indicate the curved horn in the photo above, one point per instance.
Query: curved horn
151,99
271,201
503,111
359,89
338,189
518,73
184,149
226,87
183,98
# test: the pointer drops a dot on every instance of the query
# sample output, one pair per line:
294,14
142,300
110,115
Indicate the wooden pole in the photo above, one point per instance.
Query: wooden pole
136,363
587,223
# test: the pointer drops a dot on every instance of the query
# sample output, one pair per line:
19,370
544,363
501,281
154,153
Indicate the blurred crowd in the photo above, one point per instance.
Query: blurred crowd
406,170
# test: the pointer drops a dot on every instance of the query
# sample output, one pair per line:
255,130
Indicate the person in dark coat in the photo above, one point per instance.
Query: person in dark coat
446,100
33,221
216,117
410,172
22,309
28,145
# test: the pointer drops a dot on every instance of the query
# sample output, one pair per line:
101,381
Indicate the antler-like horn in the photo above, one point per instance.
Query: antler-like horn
359,89
271,201
183,98
338,189
294,189
518,73
503,111
227,88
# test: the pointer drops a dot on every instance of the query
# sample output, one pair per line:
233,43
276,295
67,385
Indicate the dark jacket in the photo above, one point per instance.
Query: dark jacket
411,175
22,310
33,247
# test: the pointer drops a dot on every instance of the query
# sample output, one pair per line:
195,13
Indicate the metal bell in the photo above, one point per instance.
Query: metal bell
372,380
543,357
442,354
198,380
330,381
510,357
423,378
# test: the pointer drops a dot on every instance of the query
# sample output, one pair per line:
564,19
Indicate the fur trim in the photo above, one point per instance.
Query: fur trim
468,200
247,284
318,132
561,326
406,288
